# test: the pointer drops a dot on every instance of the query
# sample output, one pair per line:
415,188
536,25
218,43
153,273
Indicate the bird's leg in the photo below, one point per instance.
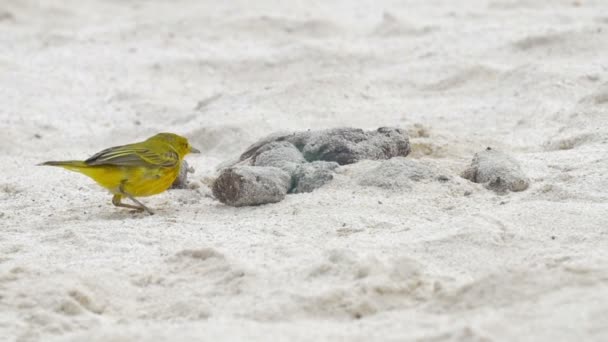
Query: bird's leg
116,201
141,205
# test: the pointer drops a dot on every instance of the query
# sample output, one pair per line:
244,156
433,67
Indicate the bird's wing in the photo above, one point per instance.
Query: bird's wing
130,155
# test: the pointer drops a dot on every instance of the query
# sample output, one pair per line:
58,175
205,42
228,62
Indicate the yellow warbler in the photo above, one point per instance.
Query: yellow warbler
141,169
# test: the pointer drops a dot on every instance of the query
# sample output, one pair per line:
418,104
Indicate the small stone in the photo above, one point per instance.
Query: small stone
251,185
279,154
497,171
274,137
311,176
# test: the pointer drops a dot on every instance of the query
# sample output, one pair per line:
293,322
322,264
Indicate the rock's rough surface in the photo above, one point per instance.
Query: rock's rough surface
249,185
342,145
337,145
311,176
274,137
279,154
306,161
497,171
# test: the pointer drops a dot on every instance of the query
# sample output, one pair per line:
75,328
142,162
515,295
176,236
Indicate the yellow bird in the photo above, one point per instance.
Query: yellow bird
136,170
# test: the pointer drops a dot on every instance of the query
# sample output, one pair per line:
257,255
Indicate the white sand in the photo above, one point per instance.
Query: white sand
347,262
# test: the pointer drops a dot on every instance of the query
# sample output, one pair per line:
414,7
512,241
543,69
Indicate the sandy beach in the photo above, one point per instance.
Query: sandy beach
351,261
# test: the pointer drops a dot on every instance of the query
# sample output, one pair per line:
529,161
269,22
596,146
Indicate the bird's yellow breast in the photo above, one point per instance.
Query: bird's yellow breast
135,180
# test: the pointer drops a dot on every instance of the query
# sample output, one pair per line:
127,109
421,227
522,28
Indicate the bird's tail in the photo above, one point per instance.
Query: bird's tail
73,165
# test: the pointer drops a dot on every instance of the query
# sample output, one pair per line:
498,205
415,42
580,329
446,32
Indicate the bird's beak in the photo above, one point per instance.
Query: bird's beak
194,150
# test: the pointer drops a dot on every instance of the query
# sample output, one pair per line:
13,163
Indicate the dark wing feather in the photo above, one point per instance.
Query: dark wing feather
129,155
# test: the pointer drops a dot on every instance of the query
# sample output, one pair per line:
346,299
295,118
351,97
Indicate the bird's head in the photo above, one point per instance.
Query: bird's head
177,142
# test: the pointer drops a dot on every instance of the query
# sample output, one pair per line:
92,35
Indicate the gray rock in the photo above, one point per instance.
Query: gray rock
301,162
497,171
281,154
397,173
251,150
350,145
385,143
181,182
341,145
311,176
337,145
251,185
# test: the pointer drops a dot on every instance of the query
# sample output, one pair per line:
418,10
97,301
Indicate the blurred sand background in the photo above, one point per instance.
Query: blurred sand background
346,262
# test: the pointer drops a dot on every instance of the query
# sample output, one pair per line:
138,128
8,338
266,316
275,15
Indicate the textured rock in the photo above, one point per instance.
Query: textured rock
274,137
249,185
350,145
341,145
396,173
497,171
281,154
337,145
306,161
311,176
